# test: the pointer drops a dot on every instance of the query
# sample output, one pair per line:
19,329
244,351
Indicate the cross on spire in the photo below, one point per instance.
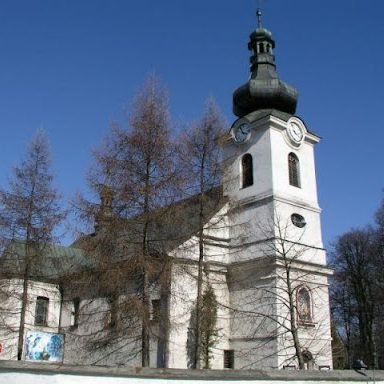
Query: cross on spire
258,14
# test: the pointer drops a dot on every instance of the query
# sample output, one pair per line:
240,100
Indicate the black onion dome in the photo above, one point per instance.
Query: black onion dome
264,90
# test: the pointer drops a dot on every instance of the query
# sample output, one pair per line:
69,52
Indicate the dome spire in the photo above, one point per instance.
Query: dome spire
264,90
258,14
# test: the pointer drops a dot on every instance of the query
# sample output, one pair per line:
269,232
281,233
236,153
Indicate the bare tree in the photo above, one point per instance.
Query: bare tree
354,293
29,212
279,294
201,154
357,292
135,169
379,280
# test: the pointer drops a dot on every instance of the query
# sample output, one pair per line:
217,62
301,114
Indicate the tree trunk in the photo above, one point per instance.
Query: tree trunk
24,302
145,359
199,301
292,313
24,298
197,364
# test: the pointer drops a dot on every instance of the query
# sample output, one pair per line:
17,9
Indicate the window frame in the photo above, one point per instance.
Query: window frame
41,311
294,170
229,359
75,313
298,220
112,315
300,319
246,170
155,310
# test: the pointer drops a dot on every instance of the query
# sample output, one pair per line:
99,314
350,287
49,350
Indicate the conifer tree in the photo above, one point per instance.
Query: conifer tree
203,172
136,165
209,333
29,213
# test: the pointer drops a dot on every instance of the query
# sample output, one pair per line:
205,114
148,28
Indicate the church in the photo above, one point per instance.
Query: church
265,275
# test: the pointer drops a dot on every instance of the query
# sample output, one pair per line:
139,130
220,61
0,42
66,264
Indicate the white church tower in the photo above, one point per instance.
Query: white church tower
277,277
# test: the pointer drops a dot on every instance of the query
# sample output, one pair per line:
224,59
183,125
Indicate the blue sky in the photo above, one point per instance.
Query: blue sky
71,66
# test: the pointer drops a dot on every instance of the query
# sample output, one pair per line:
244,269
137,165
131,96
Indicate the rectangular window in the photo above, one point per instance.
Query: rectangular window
41,310
113,314
75,312
229,358
155,315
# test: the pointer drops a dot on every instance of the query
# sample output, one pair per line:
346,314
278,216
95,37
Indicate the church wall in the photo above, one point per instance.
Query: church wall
80,340
281,147
42,373
308,239
217,232
269,146
259,147
290,199
255,224
255,353
315,334
181,309
11,292
216,235
252,297
256,336
252,225
94,341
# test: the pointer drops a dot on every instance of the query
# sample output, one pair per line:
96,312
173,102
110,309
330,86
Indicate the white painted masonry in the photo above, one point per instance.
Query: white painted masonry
37,373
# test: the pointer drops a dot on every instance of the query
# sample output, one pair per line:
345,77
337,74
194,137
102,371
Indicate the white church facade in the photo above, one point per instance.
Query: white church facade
264,257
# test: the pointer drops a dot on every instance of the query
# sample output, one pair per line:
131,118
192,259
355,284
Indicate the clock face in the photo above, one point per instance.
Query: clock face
242,132
295,133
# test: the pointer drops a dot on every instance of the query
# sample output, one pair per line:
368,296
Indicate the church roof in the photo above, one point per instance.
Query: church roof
264,89
168,227
259,114
48,262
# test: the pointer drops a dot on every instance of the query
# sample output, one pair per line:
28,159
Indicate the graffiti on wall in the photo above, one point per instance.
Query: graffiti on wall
44,346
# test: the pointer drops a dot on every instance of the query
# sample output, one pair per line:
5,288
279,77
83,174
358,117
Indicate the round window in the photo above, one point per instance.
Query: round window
298,220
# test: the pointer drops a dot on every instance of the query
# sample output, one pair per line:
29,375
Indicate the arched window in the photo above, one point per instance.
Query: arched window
246,170
294,170
304,305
